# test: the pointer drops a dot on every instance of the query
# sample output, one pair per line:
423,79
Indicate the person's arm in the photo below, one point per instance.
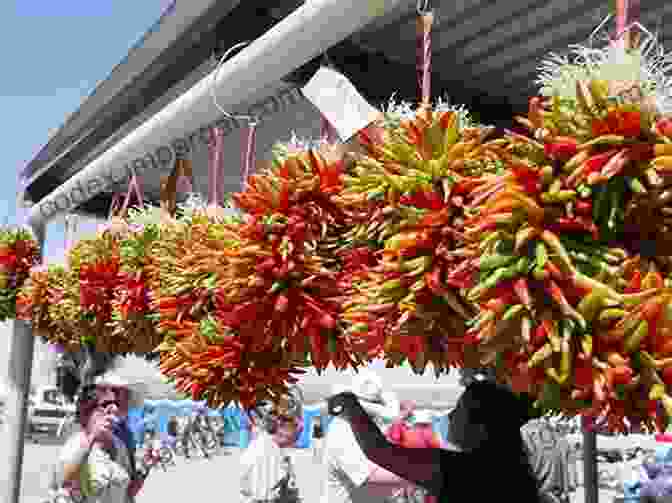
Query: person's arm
423,467
74,456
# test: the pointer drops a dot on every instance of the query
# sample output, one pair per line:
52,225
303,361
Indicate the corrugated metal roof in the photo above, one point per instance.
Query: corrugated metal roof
495,47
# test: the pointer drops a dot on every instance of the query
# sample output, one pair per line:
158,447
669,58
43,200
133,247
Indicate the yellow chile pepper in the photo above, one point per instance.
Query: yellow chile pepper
591,304
633,341
541,355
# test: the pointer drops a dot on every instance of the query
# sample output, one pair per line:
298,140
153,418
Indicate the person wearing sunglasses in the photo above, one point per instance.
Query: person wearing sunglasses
491,464
97,463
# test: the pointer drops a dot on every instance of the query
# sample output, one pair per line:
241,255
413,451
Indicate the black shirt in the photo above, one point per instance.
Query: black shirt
500,474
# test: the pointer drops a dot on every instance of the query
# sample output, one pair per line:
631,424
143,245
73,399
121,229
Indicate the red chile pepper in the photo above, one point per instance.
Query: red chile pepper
641,152
464,187
503,290
562,149
583,207
618,375
528,178
600,127
554,271
583,373
446,119
664,127
523,292
539,336
281,303
597,162
566,224
625,123
666,375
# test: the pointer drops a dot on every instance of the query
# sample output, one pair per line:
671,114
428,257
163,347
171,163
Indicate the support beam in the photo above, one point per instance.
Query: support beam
306,33
20,370
590,475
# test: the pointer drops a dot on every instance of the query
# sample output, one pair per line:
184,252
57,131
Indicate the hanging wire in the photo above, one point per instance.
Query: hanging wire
213,86
423,7
252,121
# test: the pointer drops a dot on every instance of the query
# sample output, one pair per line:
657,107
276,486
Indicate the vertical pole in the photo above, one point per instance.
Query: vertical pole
20,370
590,476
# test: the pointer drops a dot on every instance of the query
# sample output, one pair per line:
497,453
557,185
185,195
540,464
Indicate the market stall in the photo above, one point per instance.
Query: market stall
420,237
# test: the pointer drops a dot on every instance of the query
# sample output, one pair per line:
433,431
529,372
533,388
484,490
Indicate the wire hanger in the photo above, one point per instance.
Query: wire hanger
423,7
252,120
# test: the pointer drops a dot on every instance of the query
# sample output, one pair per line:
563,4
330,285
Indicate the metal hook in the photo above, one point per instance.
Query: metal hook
423,7
213,87
326,60
629,27
599,27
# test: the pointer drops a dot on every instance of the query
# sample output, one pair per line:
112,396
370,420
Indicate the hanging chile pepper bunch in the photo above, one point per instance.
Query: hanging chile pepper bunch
45,302
558,244
95,263
18,253
406,197
61,322
133,323
268,304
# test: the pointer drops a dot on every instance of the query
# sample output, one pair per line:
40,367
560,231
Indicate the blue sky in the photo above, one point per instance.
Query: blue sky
53,54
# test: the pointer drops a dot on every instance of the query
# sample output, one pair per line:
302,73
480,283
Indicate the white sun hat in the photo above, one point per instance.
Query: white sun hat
137,390
368,387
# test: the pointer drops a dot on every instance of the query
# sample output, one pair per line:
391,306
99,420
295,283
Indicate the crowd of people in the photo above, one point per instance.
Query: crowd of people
375,449
379,450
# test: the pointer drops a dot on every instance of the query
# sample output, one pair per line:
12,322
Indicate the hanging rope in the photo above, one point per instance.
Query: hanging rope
249,150
133,188
328,132
215,166
628,14
424,50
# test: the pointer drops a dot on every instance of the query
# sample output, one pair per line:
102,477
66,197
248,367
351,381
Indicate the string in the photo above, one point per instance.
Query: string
328,132
219,164
249,151
627,16
424,50
213,168
133,186
66,233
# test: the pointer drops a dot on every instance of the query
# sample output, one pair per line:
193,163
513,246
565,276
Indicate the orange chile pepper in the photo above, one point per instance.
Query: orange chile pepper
635,283
618,375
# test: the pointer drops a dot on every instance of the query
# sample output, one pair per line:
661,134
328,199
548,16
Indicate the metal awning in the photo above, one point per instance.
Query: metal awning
485,55
494,48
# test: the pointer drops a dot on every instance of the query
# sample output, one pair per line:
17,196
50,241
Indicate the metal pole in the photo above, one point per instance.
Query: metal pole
20,369
590,477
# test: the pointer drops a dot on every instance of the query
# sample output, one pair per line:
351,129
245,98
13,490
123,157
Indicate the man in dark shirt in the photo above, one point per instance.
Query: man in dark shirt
551,460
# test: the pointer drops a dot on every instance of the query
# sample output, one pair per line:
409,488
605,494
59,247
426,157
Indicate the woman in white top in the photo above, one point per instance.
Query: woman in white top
267,471
96,464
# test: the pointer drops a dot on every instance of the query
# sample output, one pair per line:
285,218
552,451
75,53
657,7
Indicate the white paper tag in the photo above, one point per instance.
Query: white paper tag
340,102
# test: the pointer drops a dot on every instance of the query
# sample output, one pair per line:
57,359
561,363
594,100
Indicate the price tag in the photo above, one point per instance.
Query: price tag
340,102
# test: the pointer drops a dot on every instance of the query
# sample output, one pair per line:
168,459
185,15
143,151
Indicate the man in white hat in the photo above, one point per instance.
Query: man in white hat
351,477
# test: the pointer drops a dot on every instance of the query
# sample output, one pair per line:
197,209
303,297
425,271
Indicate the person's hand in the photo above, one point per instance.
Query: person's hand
343,405
135,486
100,427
